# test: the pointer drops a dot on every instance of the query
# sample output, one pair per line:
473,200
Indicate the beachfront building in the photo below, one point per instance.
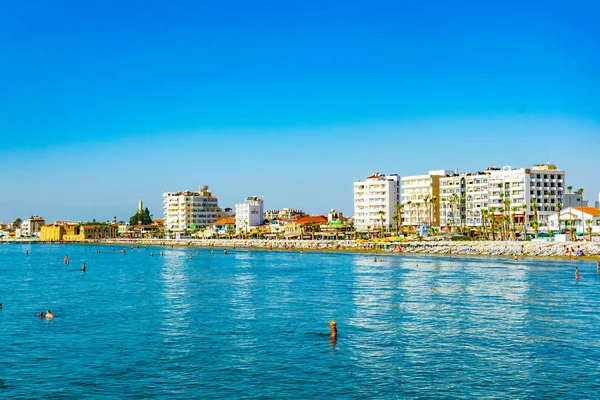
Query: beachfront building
249,214
421,199
574,199
221,228
284,214
375,201
580,218
304,227
522,194
187,211
70,232
32,226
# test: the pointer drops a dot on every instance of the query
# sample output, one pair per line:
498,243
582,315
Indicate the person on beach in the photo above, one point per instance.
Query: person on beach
577,277
49,315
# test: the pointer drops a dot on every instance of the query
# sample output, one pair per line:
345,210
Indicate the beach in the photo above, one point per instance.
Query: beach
461,248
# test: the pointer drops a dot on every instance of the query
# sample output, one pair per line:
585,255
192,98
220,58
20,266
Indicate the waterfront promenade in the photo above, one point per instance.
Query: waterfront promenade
462,248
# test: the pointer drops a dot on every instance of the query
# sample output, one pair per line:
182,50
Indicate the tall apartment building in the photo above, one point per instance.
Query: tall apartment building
464,196
189,210
420,198
249,213
375,201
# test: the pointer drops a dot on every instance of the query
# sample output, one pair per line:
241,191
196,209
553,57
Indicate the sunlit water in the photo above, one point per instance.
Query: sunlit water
255,325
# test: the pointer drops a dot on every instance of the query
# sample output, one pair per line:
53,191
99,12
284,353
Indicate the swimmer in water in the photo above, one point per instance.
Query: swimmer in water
40,315
49,315
0,306
375,259
83,267
577,277
516,258
598,267
66,259
333,327
190,256
225,251
151,254
26,252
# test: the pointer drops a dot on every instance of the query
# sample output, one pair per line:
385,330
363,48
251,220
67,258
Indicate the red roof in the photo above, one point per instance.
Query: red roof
594,212
225,221
311,219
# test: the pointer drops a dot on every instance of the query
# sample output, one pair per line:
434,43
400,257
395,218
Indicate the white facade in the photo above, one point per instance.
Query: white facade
420,198
375,201
579,217
188,210
249,213
513,191
32,226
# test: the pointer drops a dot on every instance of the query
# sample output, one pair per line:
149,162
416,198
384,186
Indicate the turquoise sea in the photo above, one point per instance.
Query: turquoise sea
255,325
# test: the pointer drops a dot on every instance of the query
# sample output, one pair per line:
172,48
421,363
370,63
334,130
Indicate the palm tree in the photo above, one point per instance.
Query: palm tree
484,216
432,201
535,217
571,230
400,210
580,193
396,218
589,228
535,226
559,207
514,209
381,213
368,231
492,222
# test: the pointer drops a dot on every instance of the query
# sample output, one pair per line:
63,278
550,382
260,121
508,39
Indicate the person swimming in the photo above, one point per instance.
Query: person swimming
577,277
40,315
333,327
225,251
49,315
66,259
83,267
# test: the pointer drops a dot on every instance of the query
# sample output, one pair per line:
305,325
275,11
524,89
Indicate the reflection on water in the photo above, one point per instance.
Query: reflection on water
256,325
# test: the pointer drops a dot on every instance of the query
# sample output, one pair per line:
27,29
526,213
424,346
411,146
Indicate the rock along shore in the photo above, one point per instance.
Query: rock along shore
466,248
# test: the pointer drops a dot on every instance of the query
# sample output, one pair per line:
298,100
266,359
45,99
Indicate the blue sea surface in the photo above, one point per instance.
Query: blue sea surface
255,325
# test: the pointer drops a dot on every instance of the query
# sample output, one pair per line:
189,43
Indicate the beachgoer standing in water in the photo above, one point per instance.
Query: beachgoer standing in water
49,315
66,259
577,273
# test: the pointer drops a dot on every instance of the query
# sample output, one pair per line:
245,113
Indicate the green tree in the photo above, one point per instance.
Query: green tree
17,223
141,218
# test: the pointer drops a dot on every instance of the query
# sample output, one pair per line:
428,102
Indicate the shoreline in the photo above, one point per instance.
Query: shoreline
529,249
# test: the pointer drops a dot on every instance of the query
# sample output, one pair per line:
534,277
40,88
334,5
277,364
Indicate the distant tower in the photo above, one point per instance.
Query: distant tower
141,207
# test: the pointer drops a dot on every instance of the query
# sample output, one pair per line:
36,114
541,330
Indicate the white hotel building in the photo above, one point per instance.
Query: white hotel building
249,213
375,199
189,210
463,196
420,198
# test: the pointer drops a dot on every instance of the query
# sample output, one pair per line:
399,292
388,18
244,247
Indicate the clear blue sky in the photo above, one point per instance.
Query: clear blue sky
106,102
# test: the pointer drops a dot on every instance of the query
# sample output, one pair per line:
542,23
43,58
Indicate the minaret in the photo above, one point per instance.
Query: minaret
141,207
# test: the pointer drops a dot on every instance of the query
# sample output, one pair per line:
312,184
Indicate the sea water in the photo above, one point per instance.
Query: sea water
255,325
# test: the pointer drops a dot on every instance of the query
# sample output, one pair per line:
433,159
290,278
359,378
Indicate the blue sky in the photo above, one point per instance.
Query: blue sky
104,103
